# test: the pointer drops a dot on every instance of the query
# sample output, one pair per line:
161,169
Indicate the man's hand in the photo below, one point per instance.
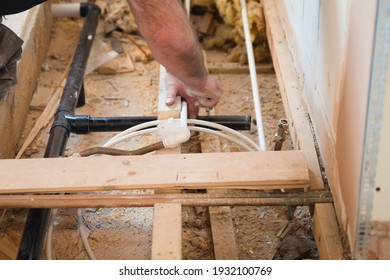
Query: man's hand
207,96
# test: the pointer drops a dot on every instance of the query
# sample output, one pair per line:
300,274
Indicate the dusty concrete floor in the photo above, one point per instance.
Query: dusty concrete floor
125,233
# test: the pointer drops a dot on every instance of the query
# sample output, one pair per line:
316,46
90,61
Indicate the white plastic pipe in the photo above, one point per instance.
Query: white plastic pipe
253,75
220,134
49,235
187,4
83,235
65,10
132,129
183,114
225,129
117,140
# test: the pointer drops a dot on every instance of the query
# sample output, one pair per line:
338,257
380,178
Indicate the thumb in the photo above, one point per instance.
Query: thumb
171,92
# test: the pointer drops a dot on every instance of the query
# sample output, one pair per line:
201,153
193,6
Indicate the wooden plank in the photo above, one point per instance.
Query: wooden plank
205,23
255,170
166,237
222,228
120,64
329,244
33,27
326,232
224,238
166,240
47,114
8,247
291,91
238,68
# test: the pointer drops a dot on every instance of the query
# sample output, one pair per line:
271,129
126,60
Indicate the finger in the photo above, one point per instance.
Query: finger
171,92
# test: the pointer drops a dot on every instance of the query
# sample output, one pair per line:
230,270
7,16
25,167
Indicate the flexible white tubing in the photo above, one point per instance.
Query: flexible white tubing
225,129
49,236
130,135
83,235
132,129
220,134
184,121
194,128
253,75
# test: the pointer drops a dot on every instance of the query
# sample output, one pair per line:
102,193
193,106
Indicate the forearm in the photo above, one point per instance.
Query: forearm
165,27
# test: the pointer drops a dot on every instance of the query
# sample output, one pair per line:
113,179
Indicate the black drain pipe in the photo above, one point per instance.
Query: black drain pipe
34,234
84,124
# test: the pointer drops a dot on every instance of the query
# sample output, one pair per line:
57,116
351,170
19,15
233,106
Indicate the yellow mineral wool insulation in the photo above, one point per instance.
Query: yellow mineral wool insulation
256,24
230,12
222,35
118,13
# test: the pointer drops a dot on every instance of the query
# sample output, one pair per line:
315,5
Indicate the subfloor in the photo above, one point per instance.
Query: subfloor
125,233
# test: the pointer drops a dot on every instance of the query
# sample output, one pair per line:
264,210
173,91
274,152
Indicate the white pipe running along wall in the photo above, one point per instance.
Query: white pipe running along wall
253,75
187,4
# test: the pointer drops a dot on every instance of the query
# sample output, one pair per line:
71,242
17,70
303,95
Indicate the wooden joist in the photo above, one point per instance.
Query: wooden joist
166,235
222,228
326,232
255,170
166,238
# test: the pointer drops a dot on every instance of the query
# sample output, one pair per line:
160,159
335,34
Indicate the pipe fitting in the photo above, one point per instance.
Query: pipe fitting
281,133
172,134
174,140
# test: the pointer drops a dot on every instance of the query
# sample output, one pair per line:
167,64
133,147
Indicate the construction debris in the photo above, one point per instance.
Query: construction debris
218,23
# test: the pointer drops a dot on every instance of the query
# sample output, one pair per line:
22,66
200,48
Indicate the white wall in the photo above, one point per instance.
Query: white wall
331,42
320,31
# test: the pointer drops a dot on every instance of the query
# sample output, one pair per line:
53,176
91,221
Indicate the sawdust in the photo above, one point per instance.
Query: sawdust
125,233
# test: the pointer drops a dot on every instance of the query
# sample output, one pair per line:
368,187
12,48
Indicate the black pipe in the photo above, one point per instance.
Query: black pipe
35,229
83,124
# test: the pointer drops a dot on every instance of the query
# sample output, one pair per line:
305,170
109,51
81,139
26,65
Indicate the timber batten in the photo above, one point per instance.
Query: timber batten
255,170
